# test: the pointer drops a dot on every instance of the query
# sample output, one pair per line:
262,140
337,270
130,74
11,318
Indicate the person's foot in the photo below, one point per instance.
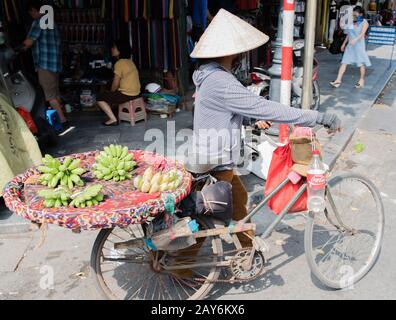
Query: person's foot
111,123
359,85
336,84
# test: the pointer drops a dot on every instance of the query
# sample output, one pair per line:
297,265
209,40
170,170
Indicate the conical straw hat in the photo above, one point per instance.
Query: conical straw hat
228,35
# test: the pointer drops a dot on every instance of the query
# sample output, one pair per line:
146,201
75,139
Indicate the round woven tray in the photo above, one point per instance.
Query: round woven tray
123,205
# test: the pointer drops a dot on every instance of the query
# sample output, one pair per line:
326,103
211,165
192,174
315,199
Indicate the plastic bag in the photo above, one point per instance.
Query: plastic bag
280,168
28,119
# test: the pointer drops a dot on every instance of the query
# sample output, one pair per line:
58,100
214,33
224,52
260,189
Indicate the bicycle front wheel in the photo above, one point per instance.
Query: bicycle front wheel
343,243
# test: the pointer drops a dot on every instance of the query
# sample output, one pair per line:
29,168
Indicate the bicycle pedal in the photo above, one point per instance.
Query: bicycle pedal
260,245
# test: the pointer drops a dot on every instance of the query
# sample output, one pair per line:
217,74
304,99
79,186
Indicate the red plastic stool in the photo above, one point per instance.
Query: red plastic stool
133,111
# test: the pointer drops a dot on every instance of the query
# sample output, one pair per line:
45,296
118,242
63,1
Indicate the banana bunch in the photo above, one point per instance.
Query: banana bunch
67,174
56,198
114,163
90,197
152,182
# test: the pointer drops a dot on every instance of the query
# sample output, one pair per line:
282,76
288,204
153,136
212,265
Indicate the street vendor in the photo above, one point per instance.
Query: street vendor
126,83
222,103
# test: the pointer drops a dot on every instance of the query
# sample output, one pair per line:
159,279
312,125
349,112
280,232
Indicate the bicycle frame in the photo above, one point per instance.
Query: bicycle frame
243,226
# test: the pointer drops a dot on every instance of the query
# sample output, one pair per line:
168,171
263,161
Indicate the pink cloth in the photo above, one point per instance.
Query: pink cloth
302,132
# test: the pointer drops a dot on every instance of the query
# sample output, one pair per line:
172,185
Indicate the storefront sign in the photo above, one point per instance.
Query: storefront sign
385,36
382,35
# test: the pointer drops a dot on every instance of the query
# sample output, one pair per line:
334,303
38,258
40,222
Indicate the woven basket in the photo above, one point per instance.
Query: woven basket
302,149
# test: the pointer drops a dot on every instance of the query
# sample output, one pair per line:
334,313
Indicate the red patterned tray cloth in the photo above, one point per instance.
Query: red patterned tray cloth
123,205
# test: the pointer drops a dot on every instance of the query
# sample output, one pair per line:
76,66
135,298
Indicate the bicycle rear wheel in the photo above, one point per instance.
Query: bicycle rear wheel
129,274
343,243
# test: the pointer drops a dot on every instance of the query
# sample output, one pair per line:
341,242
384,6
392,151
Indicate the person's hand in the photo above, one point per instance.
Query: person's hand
28,43
263,125
330,122
354,41
343,47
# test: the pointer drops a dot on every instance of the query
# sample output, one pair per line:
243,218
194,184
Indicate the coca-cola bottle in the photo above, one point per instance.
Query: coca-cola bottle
316,184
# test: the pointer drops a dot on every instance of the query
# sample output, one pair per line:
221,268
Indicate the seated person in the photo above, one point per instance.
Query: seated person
126,84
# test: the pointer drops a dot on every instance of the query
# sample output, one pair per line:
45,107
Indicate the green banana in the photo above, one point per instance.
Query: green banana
68,161
56,198
74,165
114,163
55,173
90,197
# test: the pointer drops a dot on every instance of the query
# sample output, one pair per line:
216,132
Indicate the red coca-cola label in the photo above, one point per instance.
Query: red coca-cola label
316,181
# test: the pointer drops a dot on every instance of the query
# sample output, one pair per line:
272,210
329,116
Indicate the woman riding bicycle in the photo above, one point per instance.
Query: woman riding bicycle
222,103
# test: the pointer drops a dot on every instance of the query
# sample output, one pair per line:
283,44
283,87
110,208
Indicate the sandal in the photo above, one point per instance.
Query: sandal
113,124
358,85
335,84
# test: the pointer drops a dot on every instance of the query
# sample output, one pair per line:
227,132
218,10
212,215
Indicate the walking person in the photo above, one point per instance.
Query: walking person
354,48
45,44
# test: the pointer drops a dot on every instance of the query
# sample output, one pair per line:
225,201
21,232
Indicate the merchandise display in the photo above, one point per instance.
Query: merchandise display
121,205
90,197
114,163
152,182
67,173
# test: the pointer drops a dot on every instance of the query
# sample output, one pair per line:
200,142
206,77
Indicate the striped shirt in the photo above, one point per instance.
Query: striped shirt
222,103
46,48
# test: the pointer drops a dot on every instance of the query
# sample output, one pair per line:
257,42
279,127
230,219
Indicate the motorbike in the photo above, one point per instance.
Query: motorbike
22,90
261,79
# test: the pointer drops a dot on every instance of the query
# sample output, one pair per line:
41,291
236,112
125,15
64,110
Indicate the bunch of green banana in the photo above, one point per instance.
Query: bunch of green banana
56,198
67,174
114,163
90,197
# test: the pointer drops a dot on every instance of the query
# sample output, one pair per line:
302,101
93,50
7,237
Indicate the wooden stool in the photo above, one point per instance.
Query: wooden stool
133,111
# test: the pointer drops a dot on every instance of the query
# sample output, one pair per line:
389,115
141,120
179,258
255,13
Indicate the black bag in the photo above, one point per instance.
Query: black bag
339,38
214,200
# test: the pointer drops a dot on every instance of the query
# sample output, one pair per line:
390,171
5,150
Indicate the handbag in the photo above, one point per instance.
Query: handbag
28,120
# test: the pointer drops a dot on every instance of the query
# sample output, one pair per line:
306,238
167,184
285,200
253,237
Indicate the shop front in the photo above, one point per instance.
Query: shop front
161,35
155,30
377,12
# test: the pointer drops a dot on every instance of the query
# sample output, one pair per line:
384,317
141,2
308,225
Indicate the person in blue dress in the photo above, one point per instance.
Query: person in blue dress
354,48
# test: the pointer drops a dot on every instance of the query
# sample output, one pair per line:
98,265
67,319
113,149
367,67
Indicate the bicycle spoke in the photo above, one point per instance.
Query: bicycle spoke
136,273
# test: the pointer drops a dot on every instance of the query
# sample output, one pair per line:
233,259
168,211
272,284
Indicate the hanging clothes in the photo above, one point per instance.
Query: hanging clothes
247,4
200,14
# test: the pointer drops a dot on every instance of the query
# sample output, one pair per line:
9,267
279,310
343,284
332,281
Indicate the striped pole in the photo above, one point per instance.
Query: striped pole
287,61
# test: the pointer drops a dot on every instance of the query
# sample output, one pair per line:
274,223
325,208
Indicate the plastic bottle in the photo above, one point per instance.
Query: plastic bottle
316,184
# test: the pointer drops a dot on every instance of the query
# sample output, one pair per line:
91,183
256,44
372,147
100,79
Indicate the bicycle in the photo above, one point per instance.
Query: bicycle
342,244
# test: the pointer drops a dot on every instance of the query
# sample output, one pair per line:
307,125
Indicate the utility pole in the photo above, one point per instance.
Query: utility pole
310,24
287,62
276,70
287,51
